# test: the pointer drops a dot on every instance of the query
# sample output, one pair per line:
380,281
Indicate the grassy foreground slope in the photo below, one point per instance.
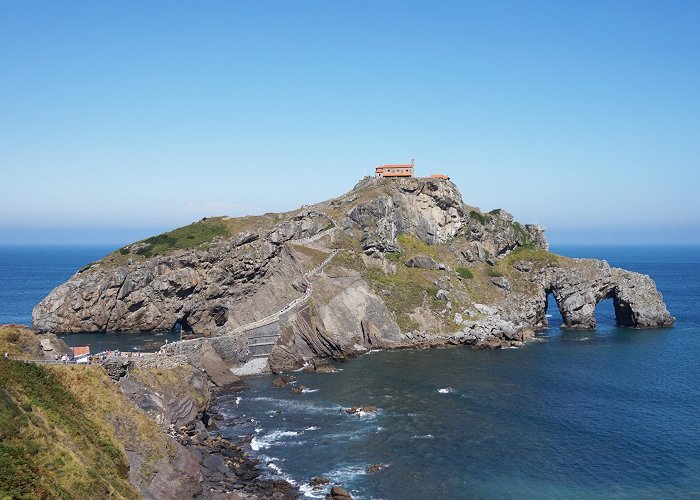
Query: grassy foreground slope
64,430
50,445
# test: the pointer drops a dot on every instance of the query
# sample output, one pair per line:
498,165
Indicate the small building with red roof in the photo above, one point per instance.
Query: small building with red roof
395,170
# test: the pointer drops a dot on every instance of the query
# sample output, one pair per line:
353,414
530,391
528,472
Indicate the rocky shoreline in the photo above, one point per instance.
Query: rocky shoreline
218,467
227,469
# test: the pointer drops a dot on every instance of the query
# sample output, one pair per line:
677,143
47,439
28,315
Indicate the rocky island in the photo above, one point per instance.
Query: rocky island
394,263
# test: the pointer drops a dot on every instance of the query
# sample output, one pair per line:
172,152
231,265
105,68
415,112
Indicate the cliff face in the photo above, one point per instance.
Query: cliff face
393,263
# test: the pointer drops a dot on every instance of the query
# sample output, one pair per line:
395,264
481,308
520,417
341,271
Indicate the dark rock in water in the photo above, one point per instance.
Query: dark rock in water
338,493
283,380
318,482
297,389
280,487
362,409
374,468
326,369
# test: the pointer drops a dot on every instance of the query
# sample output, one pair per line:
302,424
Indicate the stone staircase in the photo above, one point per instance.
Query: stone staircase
262,339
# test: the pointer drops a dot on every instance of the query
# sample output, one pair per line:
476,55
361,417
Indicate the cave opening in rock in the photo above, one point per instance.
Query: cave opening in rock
182,326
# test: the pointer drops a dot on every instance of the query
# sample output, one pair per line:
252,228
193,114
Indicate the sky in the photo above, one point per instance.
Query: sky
121,119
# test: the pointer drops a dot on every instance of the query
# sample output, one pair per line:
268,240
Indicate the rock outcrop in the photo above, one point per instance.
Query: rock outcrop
203,290
394,263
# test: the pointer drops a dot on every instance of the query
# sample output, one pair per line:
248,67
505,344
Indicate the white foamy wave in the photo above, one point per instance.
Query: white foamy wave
445,390
295,405
275,469
238,400
346,474
309,390
308,492
426,436
380,429
262,442
366,414
346,436
312,428
548,315
273,466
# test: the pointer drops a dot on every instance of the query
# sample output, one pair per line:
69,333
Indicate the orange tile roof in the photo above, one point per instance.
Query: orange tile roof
396,165
81,351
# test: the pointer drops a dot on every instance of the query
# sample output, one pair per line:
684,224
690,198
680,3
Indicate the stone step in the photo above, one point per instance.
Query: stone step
260,350
264,337
262,343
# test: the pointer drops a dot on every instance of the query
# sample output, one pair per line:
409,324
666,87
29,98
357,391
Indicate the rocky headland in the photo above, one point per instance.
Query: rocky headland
394,263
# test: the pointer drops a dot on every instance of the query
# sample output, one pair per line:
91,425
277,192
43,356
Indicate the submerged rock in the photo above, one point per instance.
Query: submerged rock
319,482
338,493
354,410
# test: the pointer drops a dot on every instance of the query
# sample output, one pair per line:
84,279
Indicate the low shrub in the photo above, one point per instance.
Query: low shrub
464,273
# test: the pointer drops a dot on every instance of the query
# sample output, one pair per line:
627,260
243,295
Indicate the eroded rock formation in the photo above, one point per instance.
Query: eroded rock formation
393,263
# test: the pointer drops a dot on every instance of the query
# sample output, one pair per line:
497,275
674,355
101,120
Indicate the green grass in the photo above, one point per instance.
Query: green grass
51,445
18,340
394,256
481,217
465,273
409,290
531,254
494,273
522,234
190,236
412,245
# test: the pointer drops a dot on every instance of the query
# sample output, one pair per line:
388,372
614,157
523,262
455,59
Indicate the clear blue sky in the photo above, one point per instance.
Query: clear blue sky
118,119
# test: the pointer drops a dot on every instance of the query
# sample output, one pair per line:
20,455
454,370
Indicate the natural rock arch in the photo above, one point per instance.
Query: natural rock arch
577,290
580,312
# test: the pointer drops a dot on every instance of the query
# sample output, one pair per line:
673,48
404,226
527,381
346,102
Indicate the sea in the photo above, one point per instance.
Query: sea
610,413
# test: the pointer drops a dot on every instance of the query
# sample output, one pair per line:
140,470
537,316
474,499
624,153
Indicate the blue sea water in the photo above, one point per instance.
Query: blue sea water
613,413
29,272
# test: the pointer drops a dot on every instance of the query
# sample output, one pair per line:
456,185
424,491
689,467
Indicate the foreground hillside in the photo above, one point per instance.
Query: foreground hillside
393,263
64,430
131,428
